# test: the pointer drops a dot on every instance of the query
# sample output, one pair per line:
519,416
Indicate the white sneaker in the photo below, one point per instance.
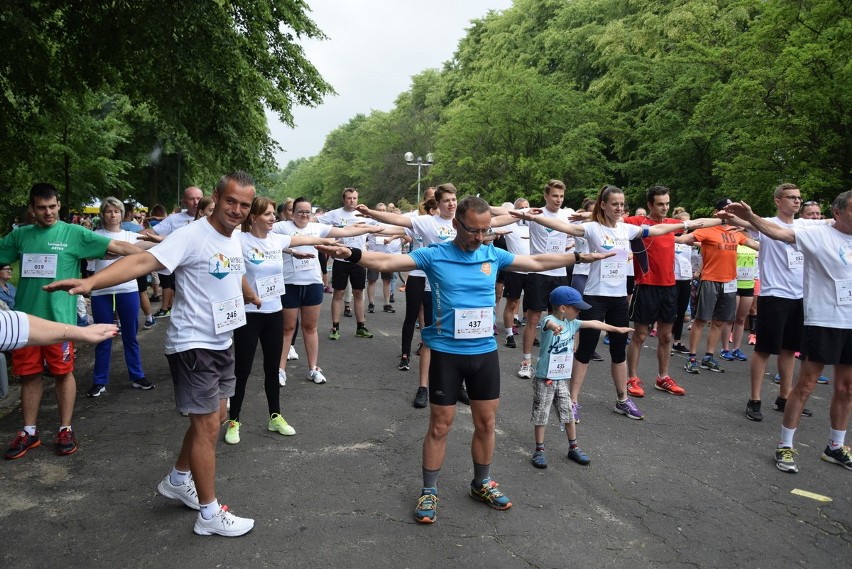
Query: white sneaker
526,370
185,492
292,355
282,377
223,523
316,376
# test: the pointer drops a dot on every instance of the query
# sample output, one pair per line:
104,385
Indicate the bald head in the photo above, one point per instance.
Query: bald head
191,196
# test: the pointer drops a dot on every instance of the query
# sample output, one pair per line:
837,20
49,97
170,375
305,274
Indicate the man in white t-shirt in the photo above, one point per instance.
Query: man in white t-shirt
206,259
517,243
381,244
827,294
191,196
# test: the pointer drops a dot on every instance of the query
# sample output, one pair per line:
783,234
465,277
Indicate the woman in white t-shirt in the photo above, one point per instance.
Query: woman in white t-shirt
262,256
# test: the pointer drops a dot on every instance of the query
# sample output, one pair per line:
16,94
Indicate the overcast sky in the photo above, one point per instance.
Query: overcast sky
373,49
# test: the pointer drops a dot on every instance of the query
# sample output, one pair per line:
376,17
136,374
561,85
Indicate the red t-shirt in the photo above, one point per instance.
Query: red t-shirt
660,252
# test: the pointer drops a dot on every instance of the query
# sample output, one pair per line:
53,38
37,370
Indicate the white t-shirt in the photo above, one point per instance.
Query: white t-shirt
173,222
264,269
97,265
208,269
342,218
581,245
544,240
428,229
302,271
608,277
518,239
827,275
781,266
383,243
683,262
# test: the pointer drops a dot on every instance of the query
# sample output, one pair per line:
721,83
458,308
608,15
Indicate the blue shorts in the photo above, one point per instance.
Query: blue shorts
297,296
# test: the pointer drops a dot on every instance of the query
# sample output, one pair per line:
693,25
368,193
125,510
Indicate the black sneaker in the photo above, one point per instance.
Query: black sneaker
510,342
143,384
347,312
162,313
422,398
96,390
596,357
840,456
371,308
753,410
680,348
404,363
21,444
389,308
781,404
463,398
149,324
66,442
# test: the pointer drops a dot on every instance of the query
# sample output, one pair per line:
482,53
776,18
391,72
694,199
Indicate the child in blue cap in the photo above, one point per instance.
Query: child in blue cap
553,369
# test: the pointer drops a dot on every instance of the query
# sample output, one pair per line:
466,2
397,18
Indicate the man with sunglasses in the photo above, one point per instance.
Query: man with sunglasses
463,273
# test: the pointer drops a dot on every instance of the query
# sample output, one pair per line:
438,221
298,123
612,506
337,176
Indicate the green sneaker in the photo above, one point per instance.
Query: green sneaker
427,506
232,432
489,494
334,334
277,423
363,333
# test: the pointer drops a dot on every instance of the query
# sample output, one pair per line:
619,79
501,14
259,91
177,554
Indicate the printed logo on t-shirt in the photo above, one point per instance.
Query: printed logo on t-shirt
445,233
486,268
220,266
258,256
845,254
608,242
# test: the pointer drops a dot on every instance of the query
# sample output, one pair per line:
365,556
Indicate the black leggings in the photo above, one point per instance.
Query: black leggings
415,297
684,289
609,309
269,329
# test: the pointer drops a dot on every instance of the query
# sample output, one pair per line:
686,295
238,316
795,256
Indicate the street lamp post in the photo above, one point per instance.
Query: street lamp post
420,163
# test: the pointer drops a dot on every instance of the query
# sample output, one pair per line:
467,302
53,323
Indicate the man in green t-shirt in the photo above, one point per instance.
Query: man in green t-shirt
49,250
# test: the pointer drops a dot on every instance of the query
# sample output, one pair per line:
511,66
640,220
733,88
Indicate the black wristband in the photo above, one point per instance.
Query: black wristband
355,256
577,260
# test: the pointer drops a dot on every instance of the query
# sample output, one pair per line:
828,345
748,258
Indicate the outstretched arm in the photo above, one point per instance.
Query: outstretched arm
45,332
383,262
547,261
574,229
123,270
768,228
385,216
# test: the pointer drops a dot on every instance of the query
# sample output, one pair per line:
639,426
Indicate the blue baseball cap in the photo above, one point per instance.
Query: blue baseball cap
569,297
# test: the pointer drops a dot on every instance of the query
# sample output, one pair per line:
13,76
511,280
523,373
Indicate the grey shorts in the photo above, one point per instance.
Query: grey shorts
545,395
202,379
714,304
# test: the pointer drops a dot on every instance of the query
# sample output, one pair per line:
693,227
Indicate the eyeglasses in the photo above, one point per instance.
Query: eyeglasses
486,231
302,213
5,268
793,198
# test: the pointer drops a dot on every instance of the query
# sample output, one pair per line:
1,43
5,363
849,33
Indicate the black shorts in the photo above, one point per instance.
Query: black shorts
501,277
538,288
745,292
780,324
829,346
373,276
480,373
323,261
142,283
341,272
167,281
514,285
652,303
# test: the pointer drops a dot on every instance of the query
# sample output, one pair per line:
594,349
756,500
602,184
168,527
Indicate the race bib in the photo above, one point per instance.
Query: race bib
613,271
559,365
684,267
381,240
303,264
844,292
270,286
556,243
795,259
745,273
39,266
474,323
228,314
730,286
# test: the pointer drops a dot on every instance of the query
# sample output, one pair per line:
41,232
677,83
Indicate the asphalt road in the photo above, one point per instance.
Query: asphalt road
693,485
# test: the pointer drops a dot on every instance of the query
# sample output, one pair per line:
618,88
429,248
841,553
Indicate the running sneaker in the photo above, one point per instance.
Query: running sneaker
427,506
653,333
635,387
510,342
726,355
578,456
282,377
784,460
823,380
389,309
526,370
752,339
421,399
739,355
232,432
223,523
488,494
162,313
691,366
840,456
149,324
65,442
629,409
777,378
539,459
707,362
347,312
292,354
404,363
334,334
668,384
781,404
680,348
596,357
96,390
316,376
143,384
606,340
362,332
185,492
21,444
278,424
575,410
371,308
753,410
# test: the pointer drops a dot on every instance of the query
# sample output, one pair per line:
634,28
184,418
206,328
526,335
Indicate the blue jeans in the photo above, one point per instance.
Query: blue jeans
127,307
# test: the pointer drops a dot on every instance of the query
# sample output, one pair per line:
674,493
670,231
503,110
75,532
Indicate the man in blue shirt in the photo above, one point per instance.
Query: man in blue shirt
462,274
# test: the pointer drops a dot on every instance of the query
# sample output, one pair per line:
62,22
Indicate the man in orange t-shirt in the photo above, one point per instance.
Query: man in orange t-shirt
717,287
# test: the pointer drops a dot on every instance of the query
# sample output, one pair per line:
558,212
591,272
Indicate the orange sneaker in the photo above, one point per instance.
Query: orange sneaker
635,387
668,384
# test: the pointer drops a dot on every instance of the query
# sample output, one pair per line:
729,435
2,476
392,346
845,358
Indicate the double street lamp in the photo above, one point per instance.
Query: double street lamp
420,163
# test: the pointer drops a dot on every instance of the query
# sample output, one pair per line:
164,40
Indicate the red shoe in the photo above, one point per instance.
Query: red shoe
21,444
66,442
635,387
668,384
